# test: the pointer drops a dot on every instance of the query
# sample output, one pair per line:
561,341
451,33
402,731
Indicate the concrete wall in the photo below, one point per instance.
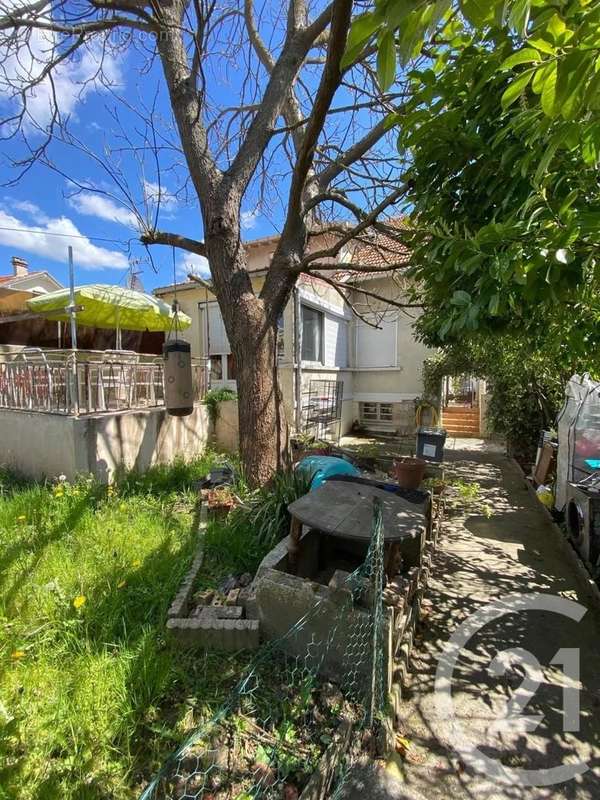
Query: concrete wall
227,431
40,445
45,445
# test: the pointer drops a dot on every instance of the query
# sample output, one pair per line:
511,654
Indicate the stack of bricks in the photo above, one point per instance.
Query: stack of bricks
217,625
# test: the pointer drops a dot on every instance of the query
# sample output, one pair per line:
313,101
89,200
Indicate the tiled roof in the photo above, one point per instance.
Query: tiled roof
11,278
374,249
379,249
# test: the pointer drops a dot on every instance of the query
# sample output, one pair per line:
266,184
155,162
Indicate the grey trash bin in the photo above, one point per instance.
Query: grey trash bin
430,443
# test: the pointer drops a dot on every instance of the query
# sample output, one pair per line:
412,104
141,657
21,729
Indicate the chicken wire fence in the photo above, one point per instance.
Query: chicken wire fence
267,739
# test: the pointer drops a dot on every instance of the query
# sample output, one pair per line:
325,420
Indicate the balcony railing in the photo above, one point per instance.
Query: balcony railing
79,382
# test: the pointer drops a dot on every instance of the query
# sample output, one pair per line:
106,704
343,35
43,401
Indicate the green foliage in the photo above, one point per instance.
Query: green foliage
501,132
92,692
264,517
213,399
525,381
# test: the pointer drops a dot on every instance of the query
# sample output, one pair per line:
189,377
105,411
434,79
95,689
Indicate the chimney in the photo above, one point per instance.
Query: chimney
19,266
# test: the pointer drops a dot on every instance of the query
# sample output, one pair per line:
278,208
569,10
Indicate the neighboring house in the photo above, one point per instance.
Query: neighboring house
21,285
381,368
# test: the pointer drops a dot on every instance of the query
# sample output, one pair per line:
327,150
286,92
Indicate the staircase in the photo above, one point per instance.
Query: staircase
461,421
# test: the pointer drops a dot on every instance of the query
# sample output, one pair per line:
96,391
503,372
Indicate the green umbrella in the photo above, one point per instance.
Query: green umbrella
113,307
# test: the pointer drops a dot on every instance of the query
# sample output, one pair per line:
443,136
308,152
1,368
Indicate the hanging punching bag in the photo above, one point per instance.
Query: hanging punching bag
179,390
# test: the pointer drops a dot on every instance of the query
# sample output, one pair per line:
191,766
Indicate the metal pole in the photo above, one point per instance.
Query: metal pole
72,301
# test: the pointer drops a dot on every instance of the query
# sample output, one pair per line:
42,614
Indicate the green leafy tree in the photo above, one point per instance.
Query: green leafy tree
502,136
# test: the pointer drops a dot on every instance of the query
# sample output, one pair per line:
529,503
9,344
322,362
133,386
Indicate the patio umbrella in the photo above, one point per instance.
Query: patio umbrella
104,306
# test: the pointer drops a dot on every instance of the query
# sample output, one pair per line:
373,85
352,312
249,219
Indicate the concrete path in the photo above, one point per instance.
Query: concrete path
482,557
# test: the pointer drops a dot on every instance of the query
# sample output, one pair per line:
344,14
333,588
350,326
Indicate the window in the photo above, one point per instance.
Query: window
336,341
216,368
377,412
217,336
312,334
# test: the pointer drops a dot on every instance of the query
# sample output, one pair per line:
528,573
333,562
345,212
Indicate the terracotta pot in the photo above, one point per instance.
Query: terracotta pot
409,472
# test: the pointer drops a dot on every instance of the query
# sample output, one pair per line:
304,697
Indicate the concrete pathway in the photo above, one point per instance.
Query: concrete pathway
482,557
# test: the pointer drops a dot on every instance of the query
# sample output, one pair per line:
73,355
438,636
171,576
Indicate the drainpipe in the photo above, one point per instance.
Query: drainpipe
298,359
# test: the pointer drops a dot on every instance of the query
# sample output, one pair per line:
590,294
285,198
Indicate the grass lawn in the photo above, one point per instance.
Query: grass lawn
93,694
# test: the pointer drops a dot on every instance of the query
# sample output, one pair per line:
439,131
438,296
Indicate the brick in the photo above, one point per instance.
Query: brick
222,612
232,598
204,598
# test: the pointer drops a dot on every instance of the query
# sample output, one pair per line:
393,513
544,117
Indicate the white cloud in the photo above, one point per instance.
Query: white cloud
102,207
248,220
153,193
26,207
36,239
190,262
25,59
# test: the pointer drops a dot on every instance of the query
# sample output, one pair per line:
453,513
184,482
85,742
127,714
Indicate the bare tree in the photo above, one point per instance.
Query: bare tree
292,128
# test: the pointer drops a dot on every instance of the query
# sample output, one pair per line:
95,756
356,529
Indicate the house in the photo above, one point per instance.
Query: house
380,367
21,285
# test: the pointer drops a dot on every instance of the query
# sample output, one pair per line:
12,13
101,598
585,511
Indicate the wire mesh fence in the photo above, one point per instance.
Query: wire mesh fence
301,695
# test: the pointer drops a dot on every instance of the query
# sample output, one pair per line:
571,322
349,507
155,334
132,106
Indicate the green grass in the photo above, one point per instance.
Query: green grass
93,694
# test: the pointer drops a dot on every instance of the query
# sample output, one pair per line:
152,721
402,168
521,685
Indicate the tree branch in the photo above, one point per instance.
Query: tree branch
173,240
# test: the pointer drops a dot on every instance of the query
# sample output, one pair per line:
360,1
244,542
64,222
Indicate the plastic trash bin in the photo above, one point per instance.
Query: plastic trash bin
430,443
320,468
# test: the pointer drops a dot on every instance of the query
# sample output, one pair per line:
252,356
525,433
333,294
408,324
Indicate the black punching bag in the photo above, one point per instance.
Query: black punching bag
179,389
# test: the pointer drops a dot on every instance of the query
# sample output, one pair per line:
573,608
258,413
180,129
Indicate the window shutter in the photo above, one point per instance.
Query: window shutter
376,347
218,341
336,341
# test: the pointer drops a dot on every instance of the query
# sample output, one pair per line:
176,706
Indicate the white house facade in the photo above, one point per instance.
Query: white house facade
321,339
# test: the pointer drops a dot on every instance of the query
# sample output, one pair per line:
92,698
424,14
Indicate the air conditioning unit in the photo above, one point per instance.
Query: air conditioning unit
582,514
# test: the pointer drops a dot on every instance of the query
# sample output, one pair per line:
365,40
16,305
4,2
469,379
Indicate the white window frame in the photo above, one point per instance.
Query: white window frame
320,361
380,413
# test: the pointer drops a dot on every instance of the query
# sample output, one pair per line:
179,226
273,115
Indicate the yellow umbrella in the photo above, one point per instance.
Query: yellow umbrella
104,306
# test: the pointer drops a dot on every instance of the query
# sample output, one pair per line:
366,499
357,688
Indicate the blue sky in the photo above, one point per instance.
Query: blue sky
44,211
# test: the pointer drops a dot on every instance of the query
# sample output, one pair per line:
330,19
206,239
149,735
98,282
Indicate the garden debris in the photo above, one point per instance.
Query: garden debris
268,743
222,476
232,598
331,697
221,499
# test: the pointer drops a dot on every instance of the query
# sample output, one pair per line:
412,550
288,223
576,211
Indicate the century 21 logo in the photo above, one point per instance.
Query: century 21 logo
513,717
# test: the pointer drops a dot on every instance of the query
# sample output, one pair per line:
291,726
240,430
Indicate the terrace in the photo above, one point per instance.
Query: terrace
93,411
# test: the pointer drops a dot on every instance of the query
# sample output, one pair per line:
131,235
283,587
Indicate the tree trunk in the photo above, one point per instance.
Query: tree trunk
264,440
251,326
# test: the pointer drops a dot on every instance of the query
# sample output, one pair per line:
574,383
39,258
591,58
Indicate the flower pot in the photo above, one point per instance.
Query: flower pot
409,472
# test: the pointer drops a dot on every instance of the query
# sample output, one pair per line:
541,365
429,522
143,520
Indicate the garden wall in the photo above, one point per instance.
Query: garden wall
45,445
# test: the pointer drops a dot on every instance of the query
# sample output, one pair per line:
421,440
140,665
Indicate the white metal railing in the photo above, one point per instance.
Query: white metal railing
80,382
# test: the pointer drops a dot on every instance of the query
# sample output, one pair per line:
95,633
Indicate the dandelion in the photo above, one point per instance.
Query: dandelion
121,584
16,655
136,563
22,518
62,478
79,601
